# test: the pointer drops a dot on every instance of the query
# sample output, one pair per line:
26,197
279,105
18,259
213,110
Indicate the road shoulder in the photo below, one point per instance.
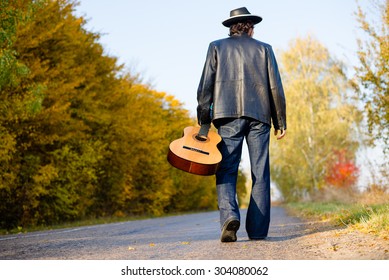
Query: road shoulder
327,241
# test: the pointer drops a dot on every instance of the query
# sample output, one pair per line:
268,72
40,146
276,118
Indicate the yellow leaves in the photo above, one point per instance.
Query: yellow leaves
321,117
158,94
173,102
334,247
45,175
79,21
372,73
80,137
7,146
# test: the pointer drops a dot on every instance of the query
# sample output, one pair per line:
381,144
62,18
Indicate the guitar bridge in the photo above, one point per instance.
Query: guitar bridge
196,150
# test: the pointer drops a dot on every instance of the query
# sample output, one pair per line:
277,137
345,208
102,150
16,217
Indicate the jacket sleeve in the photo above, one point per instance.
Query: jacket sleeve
206,87
277,97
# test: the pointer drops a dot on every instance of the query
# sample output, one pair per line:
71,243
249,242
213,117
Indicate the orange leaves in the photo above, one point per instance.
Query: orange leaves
342,172
79,137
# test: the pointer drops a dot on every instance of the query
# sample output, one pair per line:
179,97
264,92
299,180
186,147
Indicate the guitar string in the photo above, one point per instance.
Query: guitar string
203,144
194,143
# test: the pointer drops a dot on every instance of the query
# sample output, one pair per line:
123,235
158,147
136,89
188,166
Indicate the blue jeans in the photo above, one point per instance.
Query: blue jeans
257,134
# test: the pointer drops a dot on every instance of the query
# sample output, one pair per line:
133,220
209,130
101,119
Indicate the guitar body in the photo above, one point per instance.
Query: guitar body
195,156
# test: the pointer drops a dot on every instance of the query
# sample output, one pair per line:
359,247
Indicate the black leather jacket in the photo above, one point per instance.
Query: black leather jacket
241,79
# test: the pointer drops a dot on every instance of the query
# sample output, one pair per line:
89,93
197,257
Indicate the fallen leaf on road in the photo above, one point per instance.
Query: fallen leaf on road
335,247
185,243
151,244
131,248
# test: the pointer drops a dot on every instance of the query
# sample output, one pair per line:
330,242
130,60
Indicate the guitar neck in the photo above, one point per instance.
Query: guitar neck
204,129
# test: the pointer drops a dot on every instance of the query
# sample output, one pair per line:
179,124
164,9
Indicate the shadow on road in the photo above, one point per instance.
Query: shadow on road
194,236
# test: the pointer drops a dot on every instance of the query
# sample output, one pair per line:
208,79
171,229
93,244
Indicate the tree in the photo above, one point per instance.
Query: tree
342,172
80,137
372,78
321,117
55,158
12,107
373,72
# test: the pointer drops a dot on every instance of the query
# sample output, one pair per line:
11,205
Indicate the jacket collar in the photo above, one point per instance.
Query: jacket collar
243,35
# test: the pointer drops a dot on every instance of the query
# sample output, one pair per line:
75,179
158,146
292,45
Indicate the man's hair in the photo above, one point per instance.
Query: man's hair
240,27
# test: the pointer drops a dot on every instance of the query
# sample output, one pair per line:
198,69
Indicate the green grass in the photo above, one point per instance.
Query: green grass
372,218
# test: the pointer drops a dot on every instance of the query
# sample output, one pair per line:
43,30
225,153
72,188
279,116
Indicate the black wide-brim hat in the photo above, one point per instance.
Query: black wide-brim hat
241,15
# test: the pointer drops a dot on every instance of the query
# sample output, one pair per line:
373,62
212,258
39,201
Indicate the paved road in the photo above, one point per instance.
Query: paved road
194,236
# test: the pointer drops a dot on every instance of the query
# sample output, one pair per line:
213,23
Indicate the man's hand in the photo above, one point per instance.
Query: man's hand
283,132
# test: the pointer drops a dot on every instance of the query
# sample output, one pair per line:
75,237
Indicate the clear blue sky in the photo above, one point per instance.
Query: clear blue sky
166,41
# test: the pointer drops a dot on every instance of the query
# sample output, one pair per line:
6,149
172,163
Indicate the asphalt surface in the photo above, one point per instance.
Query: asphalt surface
194,236
191,237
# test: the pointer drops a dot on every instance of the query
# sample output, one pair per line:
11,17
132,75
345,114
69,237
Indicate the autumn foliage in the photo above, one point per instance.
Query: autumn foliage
79,136
342,172
373,71
323,115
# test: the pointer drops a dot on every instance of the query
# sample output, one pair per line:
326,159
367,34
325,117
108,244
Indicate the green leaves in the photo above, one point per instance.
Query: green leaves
373,71
322,117
78,136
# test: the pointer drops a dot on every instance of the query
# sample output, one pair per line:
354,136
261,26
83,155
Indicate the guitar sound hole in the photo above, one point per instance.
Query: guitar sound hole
201,138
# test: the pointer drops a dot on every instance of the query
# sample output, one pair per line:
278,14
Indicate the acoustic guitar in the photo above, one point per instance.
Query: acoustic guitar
196,152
